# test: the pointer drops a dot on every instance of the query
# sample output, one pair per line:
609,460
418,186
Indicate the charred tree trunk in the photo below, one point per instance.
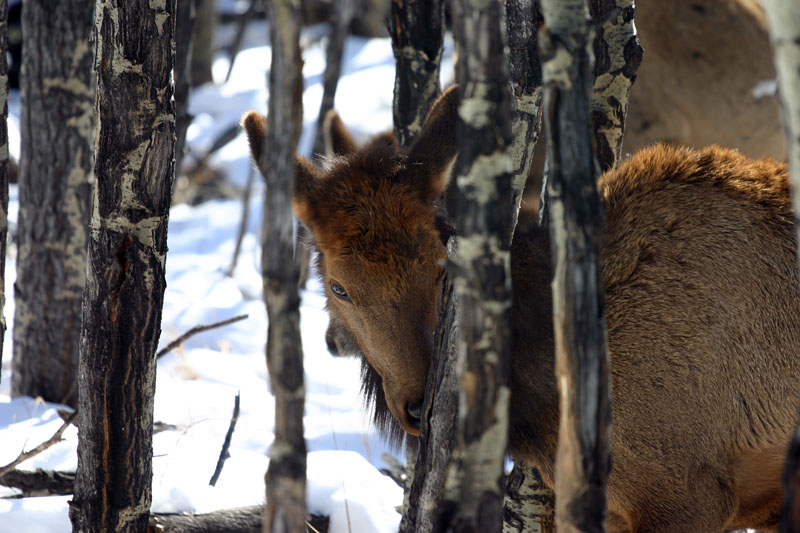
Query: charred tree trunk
127,252
417,31
286,477
617,55
482,281
184,28
530,504
4,164
340,27
202,54
784,23
57,146
523,20
576,217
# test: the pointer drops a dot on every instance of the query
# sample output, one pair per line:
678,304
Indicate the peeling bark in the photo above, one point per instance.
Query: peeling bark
784,25
582,463
57,126
286,477
530,504
523,20
617,55
417,31
122,303
4,165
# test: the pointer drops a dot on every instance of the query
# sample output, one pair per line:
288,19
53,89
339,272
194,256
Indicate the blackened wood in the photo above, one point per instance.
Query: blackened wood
417,31
341,17
784,27
576,217
226,444
240,520
184,30
4,166
122,303
530,504
617,55
482,280
57,126
39,482
286,476
523,20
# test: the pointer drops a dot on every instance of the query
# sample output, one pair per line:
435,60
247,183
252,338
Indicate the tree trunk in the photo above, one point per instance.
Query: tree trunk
482,281
530,504
4,164
617,55
582,463
57,125
286,476
784,23
184,29
202,54
523,20
127,251
417,31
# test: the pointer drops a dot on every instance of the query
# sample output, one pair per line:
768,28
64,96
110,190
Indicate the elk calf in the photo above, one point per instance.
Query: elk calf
698,261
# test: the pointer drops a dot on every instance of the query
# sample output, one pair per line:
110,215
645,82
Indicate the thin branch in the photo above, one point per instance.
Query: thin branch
223,454
194,331
39,483
24,456
248,189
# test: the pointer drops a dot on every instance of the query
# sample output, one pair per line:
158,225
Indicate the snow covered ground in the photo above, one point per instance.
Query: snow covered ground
197,383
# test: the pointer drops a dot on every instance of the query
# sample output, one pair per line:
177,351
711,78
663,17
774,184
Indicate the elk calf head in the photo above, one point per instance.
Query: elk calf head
375,218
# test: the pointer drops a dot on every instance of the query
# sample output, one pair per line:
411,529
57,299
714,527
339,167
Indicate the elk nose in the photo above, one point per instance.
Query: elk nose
414,412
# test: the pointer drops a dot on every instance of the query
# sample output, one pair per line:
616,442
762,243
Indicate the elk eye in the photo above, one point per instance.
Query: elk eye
339,291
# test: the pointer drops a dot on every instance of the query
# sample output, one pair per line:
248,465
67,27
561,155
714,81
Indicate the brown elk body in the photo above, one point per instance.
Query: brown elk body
698,260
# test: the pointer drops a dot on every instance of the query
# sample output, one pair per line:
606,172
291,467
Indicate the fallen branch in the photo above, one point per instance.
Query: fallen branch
240,520
38,483
24,456
194,331
223,454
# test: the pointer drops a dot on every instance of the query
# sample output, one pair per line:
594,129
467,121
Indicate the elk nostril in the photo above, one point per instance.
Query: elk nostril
414,412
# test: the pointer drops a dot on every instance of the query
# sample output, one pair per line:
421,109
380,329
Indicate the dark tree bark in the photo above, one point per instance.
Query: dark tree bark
617,55
4,166
482,280
784,25
576,217
202,54
57,146
523,20
417,31
530,504
286,477
184,29
125,283
341,17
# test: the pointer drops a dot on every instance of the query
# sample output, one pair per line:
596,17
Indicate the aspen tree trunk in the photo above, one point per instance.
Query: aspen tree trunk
340,27
784,24
56,161
523,20
530,504
4,162
417,31
125,283
582,462
286,477
617,55
202,54
184,29
482,280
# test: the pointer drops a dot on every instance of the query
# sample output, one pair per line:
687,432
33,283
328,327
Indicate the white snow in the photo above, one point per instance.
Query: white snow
197,383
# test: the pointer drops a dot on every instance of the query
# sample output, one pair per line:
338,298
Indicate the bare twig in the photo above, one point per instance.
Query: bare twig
223,454
241,26
194,331
248,189
24,456
39,482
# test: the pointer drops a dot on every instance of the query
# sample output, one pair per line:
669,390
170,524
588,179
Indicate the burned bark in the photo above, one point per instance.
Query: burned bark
56,160
784,25
530,504
417,31
286,477
617,55
576,217
4,166
125,283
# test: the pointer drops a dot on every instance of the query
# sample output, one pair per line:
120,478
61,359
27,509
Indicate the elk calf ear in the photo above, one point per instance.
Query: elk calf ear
434,151
338,140
306,174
